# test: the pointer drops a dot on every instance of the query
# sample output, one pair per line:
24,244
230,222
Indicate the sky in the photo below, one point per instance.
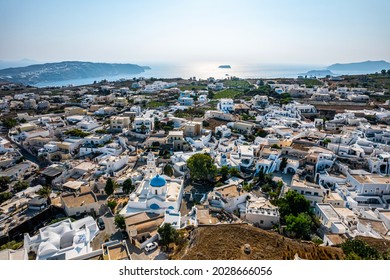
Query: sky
182,31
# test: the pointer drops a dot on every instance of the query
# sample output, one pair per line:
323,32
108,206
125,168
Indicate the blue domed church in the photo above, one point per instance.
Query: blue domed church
156,193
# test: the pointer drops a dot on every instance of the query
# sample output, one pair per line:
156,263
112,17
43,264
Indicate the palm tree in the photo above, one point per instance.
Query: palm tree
143,128
45,192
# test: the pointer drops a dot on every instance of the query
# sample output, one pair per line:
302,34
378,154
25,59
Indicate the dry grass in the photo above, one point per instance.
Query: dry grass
226,242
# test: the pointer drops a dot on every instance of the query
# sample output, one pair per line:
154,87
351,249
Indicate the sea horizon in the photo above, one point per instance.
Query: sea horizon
200,71
204,71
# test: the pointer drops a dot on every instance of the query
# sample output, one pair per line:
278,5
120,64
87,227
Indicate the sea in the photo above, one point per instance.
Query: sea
201,71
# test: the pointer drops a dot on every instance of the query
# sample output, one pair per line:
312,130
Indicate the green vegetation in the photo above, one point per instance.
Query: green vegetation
326,141
61,219
312,82
120,222
20,186
283,163
201,167
296,214
359,250
112,205
293,203
299,225
192,87
227,93
224,172
275,146
156,104
13,245
234,172
261,133
101,131
261,90
167,234
267,185
5,196
45,191
189,113
76,133
4,183
246,117
9,122
168,170
128,186
110,186
237,83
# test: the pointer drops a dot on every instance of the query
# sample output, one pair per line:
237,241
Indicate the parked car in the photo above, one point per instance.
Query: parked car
151,246
101,224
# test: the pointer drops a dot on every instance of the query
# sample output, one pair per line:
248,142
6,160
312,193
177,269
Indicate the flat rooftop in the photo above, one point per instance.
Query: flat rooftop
72,200
230,191
328,210
371,179
118,252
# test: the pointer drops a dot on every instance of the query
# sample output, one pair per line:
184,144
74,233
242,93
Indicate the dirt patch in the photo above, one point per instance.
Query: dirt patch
213,123
228,242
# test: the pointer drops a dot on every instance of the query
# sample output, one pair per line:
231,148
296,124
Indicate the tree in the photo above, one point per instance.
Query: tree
5,196
388,72
293,203
20,186
4,182
383,72
201,167
128,186
224,171
283,163
167,234
168,170
112,205
143,128
9,122
359,250
45,192
120,222
299,225
210,95
109,188
234,172
326,141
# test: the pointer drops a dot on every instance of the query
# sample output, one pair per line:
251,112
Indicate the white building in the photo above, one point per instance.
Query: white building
156,193
228,197
260,212
225,105
112,164
5,146
143,125
63,240
119,123
330,219
312,192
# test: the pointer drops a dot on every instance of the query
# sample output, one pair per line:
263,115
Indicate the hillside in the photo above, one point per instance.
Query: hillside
366,66
227,242
67,70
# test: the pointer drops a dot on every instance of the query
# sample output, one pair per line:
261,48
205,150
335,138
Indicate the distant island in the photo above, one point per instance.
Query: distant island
67,70
224,66
365,66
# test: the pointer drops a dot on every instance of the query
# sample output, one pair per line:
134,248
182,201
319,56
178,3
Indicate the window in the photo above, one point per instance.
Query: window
261,222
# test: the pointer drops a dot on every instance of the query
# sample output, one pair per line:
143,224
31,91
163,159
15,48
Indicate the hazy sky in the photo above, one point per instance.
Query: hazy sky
228,31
